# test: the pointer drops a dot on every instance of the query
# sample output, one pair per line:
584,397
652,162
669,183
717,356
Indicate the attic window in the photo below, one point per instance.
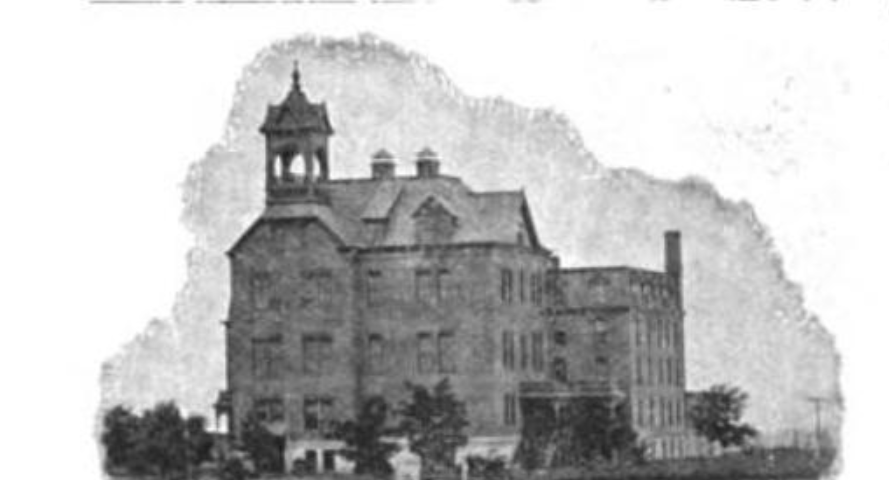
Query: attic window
434,223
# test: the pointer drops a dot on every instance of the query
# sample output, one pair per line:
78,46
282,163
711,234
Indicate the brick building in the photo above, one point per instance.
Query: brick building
345,288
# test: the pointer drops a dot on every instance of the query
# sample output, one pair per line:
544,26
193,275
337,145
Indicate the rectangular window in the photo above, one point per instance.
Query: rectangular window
373,287
510,409
424,286
640,375
317,353
318,414
521,286
268,358
506,285
640,412
376,351
523,352
537,360
602,367
649,327
269,409
650,373
426,353
449,288
670,371
508,348
260,289
447,352
651,410
319,287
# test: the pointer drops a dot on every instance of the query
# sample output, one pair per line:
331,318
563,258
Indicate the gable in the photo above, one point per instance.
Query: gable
274,235
433,222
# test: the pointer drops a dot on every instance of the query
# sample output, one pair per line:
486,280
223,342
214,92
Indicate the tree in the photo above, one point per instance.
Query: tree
162,444
434,423
261,445
200,442
120,437
716,415
364,438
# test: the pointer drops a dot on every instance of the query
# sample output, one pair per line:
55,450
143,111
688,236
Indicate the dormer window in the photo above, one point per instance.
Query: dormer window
434,223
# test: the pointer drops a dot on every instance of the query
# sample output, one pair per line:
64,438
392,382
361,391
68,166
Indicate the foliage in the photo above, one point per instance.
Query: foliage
364,439
199,440
486,468
434,423
158,442
233,469
120,437
162,442
716,415
261,445
582,431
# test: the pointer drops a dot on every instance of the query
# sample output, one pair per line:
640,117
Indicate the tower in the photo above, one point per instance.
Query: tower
295,129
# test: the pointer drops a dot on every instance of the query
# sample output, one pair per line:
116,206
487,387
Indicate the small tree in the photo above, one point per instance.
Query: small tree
260,444
200,442
364,438
120,437
162,443
716,415
434,423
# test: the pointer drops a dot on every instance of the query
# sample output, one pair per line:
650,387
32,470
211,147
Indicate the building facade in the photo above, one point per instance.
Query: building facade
346,288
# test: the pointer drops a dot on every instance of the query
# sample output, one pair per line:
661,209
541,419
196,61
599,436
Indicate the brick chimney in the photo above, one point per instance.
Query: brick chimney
673,257
382,165
427,163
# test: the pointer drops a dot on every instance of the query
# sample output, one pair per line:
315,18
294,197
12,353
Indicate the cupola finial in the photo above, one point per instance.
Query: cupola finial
295,75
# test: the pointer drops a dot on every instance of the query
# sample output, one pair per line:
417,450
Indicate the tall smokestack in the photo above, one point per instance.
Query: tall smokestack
673,257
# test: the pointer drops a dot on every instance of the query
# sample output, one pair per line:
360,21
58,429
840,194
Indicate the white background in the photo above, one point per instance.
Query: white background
105,107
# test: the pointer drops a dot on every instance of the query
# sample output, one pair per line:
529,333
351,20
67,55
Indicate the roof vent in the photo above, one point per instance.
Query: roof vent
382,165
427,163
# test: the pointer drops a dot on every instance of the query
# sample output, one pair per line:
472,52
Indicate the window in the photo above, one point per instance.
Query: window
560,338
319,287
449,287
508,349
601,367
426,354
510,409
424,285
521,286
651,374
506,285
668,333
537,361
560,369
318,414
268,358
650,332
317,353
651,410
640,412
640,331
434,224
376,351
600,331
373,287
260,289
640,374
447,352
669,371
269,409
523,352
